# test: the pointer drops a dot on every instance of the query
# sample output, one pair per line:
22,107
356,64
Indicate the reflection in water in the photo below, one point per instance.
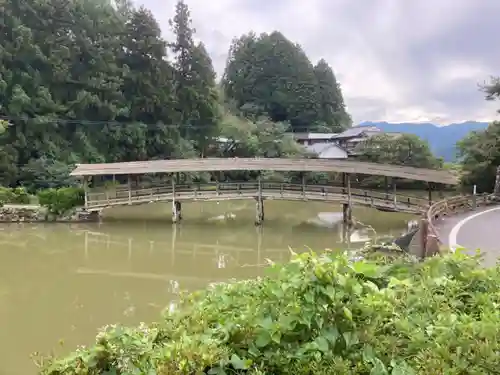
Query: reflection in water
65,281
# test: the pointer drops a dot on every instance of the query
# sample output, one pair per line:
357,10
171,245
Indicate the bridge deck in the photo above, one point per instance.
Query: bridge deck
99,198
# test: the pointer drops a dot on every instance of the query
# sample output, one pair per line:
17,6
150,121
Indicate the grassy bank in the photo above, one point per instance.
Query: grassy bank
317,315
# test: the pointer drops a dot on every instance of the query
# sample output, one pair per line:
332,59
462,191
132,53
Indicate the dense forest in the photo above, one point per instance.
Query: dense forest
95,81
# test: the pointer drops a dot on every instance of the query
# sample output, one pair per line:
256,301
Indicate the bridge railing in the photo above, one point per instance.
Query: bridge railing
123,194
428,235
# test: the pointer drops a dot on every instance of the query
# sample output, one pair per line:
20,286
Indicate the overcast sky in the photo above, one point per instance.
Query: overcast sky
397,60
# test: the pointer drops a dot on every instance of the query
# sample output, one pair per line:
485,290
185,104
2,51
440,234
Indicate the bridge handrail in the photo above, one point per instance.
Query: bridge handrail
123,192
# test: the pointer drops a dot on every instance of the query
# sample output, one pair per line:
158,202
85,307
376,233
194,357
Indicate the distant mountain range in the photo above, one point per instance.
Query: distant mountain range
442,139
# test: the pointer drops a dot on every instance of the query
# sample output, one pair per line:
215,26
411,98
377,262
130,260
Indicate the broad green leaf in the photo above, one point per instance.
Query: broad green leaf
240,364
263,339
322,344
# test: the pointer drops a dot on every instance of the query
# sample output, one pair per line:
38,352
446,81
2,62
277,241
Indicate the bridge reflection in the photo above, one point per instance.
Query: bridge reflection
238,261
174,255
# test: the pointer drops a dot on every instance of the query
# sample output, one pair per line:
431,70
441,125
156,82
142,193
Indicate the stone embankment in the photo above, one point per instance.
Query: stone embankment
17,213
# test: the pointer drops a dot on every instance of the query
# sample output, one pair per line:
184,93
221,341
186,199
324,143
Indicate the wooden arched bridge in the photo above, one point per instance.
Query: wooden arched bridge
97,198
425,240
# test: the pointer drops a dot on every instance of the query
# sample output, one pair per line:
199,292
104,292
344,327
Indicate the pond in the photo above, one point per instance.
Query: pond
59,283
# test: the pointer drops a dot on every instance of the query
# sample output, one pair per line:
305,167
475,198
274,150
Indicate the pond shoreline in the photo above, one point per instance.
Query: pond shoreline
16,213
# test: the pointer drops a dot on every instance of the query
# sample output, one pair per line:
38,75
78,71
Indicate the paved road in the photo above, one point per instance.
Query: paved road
474,230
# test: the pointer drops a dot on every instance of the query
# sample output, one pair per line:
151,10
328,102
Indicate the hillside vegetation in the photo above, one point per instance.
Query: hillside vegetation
86,81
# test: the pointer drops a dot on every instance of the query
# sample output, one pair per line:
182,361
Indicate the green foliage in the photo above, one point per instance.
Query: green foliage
44,173
258,138
195,85
14,196
88,81
333,113
480,151
3,126
98,83
480,154
317,315
60,201
268,75
261,138
397,149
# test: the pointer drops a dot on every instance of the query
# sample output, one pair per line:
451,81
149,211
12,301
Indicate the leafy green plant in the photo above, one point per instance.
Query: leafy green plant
14,196
21,196
60,201
320,315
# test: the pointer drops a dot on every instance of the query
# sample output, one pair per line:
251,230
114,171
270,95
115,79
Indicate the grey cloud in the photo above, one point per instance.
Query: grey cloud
402,48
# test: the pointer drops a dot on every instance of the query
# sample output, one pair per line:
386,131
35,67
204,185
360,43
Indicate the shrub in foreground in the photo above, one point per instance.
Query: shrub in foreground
318,315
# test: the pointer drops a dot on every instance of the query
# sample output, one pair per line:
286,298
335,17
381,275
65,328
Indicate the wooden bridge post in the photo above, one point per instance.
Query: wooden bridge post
429,189
86,190
129,187
259,215
394,194
347,207
386,187
176,206
303,185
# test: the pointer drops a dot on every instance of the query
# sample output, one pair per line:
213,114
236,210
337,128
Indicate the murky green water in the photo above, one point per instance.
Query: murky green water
63,282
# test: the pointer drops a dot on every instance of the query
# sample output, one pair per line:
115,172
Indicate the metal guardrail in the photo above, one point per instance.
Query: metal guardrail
123,195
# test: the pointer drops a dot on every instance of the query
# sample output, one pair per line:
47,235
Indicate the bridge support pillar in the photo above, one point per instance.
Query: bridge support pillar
86,189
394,194
176,211
347,207
347,213
259,206
259,211
386,187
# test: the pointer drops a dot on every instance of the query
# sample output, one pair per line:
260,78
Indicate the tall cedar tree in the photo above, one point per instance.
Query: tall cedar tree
332,112
195,85
269,75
